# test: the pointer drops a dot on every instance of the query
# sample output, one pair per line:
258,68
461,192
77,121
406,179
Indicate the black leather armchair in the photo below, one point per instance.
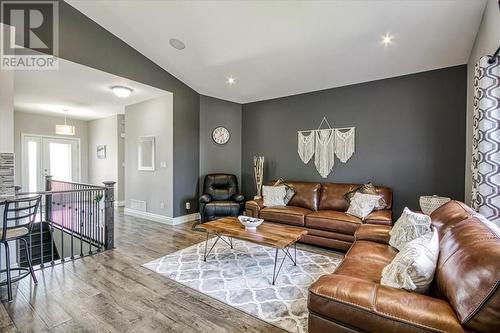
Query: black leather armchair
220,197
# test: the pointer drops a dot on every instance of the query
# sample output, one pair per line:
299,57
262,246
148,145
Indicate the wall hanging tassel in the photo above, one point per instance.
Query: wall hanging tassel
325,151
306,146
344,144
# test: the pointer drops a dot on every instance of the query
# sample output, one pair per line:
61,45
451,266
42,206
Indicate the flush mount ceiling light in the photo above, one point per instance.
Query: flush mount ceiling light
65,129
387,39
177,44
230,80
121,91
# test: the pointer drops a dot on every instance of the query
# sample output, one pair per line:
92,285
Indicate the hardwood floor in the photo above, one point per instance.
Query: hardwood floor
112,292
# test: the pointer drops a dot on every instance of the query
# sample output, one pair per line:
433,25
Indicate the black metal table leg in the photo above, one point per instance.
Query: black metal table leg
213,245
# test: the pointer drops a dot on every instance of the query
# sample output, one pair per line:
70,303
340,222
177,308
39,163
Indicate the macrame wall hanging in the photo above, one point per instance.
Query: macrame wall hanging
324,145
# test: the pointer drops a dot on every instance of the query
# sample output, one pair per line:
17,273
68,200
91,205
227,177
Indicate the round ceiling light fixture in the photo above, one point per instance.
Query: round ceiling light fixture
387,39
121,91
177,44
230,80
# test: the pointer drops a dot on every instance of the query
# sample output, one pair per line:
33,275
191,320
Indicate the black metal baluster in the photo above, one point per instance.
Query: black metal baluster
72,222
81,222
91,217
62,225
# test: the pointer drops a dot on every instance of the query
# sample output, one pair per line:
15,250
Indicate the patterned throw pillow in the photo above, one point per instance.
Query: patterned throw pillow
367,188
290,192
274,195
362,204
408,227
414,266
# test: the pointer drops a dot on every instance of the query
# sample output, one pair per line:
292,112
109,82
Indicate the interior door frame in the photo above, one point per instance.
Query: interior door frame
41,137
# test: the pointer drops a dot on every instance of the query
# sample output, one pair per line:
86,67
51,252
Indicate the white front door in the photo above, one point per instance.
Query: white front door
43,155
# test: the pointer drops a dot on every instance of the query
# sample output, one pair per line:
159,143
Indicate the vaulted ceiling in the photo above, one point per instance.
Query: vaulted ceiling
279,48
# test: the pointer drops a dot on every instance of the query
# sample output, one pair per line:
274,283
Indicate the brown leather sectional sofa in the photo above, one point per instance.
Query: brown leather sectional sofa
320,208
464,297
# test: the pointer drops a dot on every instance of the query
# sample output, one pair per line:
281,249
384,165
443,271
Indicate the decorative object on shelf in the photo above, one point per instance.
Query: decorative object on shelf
250,223
258,169
221,135
485,139
429,203
146,151
325,144
101,151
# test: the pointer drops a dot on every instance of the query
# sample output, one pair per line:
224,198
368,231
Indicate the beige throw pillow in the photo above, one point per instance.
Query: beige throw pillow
362,204
409,226
274,195
414,266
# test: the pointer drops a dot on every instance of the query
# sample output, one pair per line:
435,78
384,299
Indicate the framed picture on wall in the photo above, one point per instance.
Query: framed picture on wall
101,151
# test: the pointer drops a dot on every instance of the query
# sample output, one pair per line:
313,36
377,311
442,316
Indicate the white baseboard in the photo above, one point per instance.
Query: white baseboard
119,203
186,218
161,218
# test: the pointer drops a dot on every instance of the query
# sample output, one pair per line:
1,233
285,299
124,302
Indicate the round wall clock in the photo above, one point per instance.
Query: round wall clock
220,135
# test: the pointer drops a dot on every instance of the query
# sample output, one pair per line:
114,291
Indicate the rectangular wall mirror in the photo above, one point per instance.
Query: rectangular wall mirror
146,153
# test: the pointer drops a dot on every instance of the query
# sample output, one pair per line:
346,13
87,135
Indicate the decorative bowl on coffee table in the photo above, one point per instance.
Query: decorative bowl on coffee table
250,223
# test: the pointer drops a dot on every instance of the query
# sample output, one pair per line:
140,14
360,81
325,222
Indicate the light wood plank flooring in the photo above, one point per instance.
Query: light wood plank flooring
112,292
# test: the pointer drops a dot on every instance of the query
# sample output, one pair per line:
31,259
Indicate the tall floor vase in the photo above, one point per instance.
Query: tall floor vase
486,140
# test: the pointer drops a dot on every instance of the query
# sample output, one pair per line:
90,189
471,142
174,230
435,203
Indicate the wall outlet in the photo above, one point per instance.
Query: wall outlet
188,205
163,164
162,205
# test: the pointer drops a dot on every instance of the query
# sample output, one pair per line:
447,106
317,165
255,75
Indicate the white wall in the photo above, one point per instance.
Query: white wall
6,111
103,131
31,123
487,41
152,117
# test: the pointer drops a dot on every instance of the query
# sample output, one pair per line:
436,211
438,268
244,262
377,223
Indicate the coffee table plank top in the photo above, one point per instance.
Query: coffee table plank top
270,234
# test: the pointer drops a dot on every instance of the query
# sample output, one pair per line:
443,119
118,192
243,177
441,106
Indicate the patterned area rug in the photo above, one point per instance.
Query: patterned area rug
242,276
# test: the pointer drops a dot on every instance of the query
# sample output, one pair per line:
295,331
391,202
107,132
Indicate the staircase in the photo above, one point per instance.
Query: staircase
36,247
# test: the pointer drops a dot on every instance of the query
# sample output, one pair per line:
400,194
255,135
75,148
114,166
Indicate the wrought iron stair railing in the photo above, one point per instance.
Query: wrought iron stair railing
76,220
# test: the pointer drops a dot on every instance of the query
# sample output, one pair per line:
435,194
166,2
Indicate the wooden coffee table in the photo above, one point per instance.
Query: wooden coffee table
278,236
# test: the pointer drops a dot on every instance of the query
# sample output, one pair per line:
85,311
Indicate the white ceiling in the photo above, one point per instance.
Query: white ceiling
279,48
85,92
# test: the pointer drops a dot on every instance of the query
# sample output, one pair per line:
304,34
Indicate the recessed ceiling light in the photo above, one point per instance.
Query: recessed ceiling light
387,39
231,80
121,91
177,44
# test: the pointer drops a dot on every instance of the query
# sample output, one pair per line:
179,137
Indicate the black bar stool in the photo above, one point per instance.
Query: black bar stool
18,218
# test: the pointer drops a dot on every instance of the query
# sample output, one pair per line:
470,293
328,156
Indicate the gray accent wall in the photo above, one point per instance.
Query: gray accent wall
83,41
410,134
487,41
216,158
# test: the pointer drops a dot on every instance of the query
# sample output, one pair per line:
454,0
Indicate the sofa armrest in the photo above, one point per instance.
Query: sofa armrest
205,198
373,232
253,207
371,307
383,216
239,198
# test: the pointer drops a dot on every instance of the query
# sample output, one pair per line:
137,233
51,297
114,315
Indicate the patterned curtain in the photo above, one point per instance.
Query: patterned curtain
486,140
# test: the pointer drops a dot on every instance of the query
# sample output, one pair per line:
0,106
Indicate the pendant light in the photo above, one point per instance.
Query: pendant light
65,129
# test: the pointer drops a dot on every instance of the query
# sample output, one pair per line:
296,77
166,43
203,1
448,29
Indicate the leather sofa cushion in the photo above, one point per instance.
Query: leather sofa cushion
468,271
451,213
333,221
383,217
370,307
306,194
333,196
285,214
222,208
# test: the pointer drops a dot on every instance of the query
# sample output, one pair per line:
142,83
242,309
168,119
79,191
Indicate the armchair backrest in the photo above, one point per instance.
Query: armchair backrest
220,187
